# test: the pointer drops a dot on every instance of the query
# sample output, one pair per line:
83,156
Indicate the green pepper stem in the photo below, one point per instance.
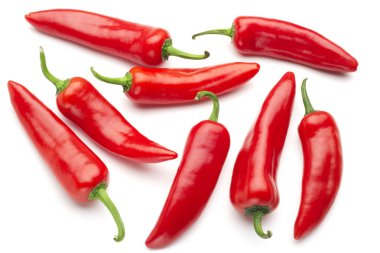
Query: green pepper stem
125,81
215,110
257,216
59,84
257,213
100,193
169,50
306,101
225,31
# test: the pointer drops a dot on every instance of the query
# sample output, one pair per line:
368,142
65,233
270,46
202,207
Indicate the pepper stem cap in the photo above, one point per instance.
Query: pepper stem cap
125,81
169,50
224,31
215,101
257,213
59,84
305,98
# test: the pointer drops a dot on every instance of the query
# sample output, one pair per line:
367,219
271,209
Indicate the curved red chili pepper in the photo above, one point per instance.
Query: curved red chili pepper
323,164
253,189
170,86
135,42
203,158
286,41
78,169
80,102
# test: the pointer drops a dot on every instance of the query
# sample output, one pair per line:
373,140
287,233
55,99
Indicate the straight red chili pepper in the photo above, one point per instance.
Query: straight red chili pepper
253,189
135,42
203,158
323,164
80,102
286,41
78,169
170,86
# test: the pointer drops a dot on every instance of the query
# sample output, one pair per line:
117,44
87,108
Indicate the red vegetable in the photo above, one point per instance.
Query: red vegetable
79,101
287,41
253,189
323,163
205,152
78,169
135,42
169,86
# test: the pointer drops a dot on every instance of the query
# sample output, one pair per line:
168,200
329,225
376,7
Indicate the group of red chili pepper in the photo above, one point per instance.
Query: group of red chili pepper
253,190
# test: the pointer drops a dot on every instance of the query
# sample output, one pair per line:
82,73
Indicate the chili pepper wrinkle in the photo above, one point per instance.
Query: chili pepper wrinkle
253,190
100,193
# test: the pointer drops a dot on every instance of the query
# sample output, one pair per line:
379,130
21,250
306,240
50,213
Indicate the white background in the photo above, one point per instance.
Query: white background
36,214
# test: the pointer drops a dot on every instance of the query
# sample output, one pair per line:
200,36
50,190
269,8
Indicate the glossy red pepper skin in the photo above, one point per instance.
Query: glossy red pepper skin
287,41
253,185
135,42
203,158
77,168
80,102
323,164
172,86
86,107
83,175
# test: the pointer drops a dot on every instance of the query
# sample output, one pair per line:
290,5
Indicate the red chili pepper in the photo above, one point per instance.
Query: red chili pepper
286,41
203,157
170,86
323,163
135,42
79,101
253,189
78,169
